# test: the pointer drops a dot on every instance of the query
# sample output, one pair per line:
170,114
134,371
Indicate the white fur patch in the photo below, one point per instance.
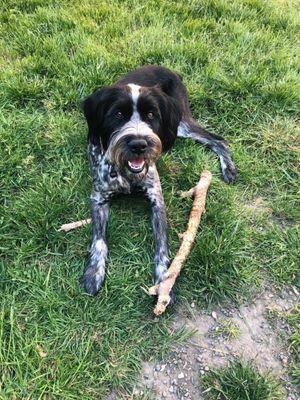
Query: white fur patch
99,251
183,130
100,246
135,92
223,163
99,276
160,270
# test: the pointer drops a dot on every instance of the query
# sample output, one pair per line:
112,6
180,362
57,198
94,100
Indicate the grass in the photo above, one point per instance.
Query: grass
292,317
239,61
240,382
227,329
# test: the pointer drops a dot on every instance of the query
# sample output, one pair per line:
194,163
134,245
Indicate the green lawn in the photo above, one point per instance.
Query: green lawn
241,382
240,62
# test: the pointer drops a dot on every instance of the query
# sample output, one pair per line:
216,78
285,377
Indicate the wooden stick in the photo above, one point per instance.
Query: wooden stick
74,225
163,289
187,193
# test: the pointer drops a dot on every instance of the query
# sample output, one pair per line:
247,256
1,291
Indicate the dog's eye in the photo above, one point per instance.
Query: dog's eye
119,115
150,115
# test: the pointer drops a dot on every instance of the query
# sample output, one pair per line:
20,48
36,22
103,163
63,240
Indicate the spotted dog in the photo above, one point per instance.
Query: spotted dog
130,124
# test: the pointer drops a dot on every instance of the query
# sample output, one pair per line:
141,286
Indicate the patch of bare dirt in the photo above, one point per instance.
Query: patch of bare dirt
219,337
258,207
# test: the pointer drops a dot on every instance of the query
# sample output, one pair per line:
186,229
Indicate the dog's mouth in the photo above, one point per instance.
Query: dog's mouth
136,165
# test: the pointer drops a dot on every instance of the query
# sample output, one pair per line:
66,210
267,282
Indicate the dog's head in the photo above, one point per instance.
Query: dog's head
132,124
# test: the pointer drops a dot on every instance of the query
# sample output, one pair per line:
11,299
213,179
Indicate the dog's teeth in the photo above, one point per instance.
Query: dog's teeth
136,167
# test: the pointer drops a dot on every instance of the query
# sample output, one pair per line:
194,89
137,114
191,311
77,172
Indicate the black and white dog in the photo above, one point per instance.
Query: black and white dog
129,125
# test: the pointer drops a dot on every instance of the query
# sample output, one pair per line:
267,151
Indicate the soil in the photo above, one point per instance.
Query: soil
219,337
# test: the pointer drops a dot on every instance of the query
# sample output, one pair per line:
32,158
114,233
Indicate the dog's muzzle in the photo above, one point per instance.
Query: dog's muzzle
138,148
134,152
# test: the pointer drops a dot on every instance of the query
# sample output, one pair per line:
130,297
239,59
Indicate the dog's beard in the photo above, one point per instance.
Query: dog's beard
131,164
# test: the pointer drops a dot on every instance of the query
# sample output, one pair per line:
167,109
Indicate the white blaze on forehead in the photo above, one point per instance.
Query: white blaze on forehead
135,92
135,126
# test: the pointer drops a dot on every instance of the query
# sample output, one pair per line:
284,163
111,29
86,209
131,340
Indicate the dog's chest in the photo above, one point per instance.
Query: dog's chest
109,182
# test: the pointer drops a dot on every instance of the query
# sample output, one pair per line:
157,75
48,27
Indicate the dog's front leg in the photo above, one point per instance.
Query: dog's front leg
159,226
95,272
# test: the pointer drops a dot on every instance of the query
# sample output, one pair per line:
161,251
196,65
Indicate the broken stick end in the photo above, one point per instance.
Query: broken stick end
162,303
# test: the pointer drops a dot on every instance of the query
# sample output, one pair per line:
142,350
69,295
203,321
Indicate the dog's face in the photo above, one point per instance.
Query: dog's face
133,124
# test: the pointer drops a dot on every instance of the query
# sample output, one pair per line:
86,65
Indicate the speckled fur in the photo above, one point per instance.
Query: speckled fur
107,182
149,105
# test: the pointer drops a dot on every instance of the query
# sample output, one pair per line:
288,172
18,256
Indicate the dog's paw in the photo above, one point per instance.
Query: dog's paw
229,173
92,280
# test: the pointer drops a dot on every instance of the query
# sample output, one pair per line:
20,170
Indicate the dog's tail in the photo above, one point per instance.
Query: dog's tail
189,128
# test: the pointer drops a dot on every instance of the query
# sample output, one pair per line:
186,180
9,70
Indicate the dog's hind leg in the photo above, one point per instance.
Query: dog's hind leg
191,129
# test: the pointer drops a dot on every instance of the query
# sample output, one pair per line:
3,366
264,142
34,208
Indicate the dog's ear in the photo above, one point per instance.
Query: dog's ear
171,117
92,107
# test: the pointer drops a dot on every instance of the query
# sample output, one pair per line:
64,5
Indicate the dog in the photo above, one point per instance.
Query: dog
130,124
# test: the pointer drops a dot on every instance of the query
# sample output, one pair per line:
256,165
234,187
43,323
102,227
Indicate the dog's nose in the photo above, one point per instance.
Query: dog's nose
137,146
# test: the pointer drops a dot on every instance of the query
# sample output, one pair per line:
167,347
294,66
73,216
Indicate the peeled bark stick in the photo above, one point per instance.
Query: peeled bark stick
163,289
74,225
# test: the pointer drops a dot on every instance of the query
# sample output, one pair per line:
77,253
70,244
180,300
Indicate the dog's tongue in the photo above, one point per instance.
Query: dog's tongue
137,162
